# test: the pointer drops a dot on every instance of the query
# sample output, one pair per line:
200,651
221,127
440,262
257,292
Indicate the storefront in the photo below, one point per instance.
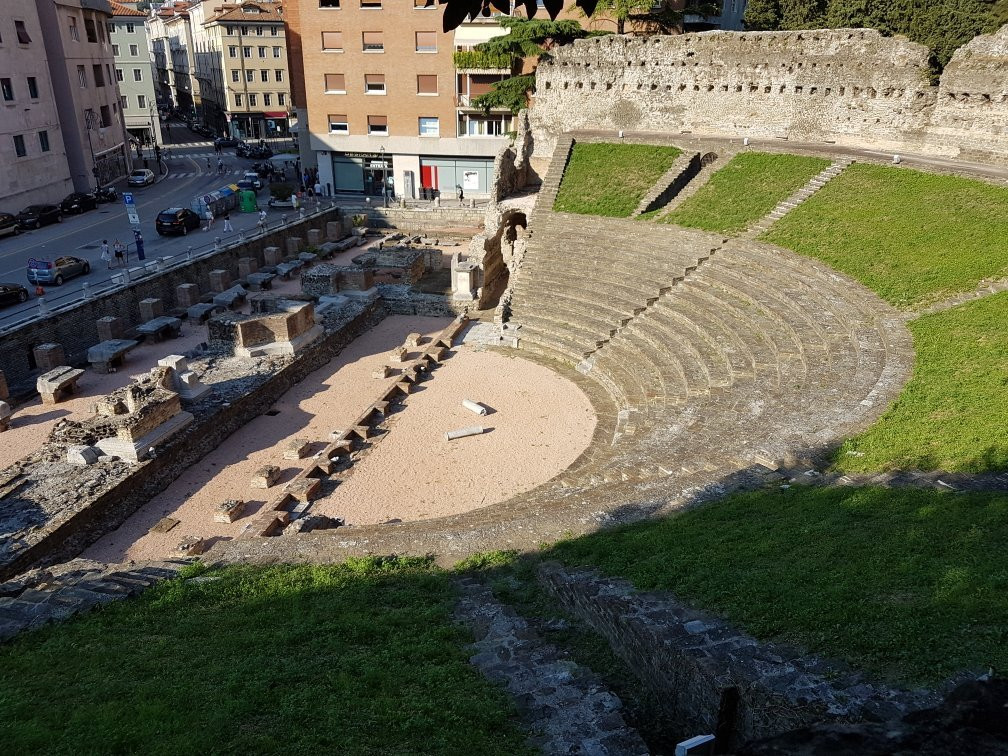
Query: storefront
363,173
444,176
251,126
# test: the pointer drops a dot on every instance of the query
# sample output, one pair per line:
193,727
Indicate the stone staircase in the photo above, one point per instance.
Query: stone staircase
816,183
554,175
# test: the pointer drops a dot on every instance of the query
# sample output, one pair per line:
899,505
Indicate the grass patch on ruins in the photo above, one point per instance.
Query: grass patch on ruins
908,585
912,237
357,658
611,179
743,191
953,412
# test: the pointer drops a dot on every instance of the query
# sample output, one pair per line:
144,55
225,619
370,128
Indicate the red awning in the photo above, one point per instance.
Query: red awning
277,114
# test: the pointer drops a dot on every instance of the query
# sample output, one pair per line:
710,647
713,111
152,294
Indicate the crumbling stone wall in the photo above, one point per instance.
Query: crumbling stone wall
851,86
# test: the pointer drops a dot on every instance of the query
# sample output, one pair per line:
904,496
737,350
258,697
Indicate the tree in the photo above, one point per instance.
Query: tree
621,11
762,15
457,11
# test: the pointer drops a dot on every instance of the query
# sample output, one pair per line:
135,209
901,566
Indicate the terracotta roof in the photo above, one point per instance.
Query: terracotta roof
118,9
230,12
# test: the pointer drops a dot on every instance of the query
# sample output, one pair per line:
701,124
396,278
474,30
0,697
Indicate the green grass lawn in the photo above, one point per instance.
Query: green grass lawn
912,237
744,190
909,585
953,414
361,658
611,179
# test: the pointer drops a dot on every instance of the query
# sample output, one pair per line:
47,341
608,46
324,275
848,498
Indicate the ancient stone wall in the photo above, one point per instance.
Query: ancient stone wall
849,86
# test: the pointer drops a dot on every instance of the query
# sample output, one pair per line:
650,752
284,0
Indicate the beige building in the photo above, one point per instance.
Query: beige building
172,51
31,144
242,67
81,66
133,75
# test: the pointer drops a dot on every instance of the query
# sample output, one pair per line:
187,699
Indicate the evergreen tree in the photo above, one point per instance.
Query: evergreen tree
762,15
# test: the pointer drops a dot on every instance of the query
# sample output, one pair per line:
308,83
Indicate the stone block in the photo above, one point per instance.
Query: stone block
151,308
164,524
314,237
191,546
186,295
383,372
296,448
200,313
285,269
4,391
110,328
5,415
334,230
305,489
230,298
265,476
229,511
247,266
353,278
272,255
398,354
49,356
176,362
82,455
295,244
260,281
413,340
189,387
58,383
220,280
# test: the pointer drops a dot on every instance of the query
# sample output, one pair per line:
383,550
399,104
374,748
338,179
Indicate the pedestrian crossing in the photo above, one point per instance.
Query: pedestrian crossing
192,174
204,143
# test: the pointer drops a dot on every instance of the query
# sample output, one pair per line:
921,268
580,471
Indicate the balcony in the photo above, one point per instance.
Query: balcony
477,60
464,102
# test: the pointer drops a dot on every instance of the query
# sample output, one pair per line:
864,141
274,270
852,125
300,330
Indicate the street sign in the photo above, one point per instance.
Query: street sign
134,218
128,198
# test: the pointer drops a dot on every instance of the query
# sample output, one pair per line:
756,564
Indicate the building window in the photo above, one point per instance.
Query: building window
8,90
374,83
264,75
276,52
119,74
338,124
250,74
19,145
238,99
43,140
370,4
267,99
130,28
235,75
279,74
124,101
134,51
329,4
142,102
89,30
232,51
259,31
377,125
335,84
373,41
106,117
137,74
274,31
73,29
332,41
262,52
252,99
115,51
429,127
32,87
282,98
426,84
99,80
426,42
229,30
247,51
81,77
244,30
22,33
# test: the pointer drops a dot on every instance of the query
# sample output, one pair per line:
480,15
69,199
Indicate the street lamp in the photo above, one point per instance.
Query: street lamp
384,189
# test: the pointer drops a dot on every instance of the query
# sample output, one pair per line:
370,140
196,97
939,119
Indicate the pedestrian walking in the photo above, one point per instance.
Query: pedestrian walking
138,237
262,221
210,219
119,249
208,164
105,253
220,167
227,222
318,188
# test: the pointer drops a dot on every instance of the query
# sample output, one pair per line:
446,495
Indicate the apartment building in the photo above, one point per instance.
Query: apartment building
31,143
79,52
242,67
172,50
386,102
133,73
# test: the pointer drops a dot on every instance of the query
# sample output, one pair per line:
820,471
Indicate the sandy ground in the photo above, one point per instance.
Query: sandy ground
33,421
538,425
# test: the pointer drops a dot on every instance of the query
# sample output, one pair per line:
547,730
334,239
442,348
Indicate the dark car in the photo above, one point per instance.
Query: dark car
57,271
78,202
264,168
35,216
225,142
176,220
9,224
11,293
260,152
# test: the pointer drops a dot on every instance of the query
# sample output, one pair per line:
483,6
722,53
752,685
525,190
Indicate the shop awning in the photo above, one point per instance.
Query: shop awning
276,114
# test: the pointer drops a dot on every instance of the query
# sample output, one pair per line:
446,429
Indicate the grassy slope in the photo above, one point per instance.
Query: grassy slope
910,585
910,236
746,189
953,413
611,179
358,658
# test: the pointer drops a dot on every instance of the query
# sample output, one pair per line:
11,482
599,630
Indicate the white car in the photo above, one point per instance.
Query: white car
141,177
253,177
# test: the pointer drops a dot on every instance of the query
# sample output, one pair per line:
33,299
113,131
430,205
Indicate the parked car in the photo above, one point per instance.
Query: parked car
36,216
11,293
57,271
254,178
176,220
260,152
226,142
78,202
106,194
141,177
9,225
262,169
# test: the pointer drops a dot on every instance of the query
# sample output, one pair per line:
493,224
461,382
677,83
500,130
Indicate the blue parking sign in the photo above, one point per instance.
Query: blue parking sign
127,198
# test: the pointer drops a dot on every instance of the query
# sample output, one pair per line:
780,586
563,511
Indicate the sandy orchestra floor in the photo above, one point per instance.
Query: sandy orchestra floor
538,424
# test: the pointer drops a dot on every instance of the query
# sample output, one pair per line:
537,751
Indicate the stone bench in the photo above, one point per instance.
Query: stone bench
231,298
161,328
260,281
58,383
200,313
110,354
285,269
307,257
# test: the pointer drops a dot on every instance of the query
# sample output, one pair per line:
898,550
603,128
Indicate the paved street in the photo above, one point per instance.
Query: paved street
81,235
